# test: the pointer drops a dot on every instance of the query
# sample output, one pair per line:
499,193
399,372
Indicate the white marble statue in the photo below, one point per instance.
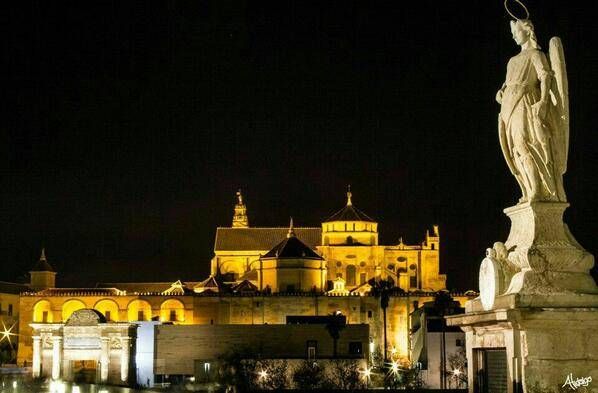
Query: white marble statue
533,121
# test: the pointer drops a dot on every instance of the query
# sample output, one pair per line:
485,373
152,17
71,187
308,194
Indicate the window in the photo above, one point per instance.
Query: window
10,310
107,314
140,316
433,246
257,304
413,281
45,317
351,275
369,313
172,316
355,348
312,347
291,288
362,278
459,343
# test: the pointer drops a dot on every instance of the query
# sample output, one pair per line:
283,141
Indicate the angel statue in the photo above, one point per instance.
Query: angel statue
533,124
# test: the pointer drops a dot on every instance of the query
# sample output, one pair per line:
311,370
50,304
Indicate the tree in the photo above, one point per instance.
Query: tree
458,368
382,289
336,323
272,374
309,375
345,375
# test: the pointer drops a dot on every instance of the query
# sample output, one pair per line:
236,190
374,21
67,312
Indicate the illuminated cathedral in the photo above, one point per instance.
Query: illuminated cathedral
259,276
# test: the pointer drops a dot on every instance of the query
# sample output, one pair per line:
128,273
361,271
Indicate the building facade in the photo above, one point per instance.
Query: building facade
259,276
347,241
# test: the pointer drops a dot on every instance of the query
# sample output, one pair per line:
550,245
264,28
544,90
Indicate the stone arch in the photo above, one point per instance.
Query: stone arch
139,310
108,308
70,306
172,310
351,273
42,312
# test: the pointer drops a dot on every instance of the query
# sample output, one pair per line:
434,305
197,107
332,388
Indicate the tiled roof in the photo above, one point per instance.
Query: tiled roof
244,286
137,287
42,266
12,287
262,239
78,291
291,247
349,213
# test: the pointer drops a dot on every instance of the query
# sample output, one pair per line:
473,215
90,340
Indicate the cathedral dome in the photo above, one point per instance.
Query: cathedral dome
349,226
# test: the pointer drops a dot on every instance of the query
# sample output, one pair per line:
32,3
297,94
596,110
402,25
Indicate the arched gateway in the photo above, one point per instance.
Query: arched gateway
85,348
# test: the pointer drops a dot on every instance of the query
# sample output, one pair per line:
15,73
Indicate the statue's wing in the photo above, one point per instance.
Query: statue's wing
560,92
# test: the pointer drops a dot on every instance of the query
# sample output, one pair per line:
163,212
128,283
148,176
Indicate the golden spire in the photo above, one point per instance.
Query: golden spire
42,257
349,195
240,219
291,232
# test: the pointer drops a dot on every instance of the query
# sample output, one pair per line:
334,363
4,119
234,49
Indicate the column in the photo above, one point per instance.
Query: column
104,358
37,356
125,358
56,356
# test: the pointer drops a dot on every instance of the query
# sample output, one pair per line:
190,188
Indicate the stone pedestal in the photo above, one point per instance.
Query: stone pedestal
535,329
543,254
543,345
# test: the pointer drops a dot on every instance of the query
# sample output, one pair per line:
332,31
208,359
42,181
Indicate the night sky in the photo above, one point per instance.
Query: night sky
128,127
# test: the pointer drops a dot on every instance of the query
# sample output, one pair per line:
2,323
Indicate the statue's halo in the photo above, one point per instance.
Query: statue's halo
522,6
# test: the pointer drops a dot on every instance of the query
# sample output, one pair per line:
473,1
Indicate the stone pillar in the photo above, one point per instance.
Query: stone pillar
104,358
56,356
125,357
37,356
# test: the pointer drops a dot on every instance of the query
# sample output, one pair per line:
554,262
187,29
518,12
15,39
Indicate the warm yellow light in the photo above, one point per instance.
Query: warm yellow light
263,374
367,373
394,367
6,333
57,387
456,372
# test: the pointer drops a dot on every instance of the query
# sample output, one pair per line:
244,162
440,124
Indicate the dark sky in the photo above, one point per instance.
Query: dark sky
129,126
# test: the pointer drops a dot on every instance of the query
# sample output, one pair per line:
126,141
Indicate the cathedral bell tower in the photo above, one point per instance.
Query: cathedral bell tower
43,275
240,219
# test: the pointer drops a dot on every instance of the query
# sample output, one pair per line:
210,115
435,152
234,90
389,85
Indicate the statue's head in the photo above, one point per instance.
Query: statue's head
523,31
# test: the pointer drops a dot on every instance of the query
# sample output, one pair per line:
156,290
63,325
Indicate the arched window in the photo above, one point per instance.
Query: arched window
108,308
350,275
42,312
139,310
172,310
69,307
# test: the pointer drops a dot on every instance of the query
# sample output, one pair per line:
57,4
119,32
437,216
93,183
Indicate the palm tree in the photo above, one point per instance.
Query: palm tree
382,289
336,323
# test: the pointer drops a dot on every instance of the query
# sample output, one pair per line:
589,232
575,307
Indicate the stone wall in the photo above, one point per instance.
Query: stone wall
179,346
